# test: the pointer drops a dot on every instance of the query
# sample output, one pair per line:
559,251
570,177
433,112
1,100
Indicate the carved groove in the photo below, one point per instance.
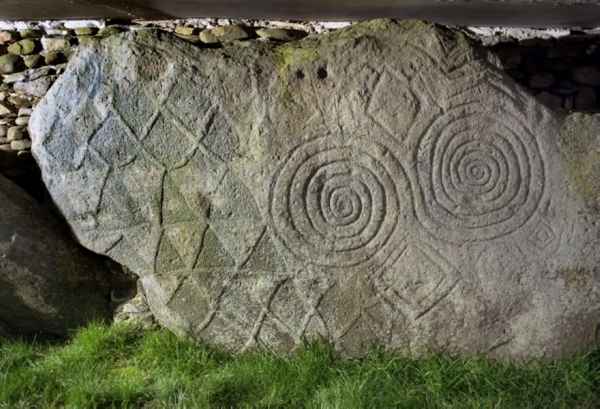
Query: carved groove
337,204
481,174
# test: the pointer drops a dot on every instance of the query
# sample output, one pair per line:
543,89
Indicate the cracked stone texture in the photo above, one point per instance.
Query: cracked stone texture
384,184
48,284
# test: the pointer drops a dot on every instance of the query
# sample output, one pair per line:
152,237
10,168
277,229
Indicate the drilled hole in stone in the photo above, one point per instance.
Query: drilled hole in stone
322,73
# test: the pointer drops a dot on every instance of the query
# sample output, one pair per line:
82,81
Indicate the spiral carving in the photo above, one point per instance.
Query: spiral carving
338,204
481,174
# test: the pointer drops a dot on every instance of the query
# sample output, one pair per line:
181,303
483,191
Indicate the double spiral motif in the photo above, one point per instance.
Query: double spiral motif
477,174
338,204
480,172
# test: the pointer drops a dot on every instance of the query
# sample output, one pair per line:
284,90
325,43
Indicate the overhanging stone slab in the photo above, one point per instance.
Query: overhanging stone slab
538,13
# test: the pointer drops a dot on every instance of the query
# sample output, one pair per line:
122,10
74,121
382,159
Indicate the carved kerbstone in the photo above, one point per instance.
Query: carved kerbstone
384,184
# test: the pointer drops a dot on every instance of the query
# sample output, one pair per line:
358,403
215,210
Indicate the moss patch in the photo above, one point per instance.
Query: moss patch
580,147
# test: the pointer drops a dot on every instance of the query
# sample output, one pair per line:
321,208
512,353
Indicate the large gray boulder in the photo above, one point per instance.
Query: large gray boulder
384,184
48,283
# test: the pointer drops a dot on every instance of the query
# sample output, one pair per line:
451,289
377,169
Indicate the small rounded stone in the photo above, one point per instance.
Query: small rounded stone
11,63
3,131
20,145
110,30
23,47
230,33
19,101
54,57
4,110
279,34
31,33
55,43
8,37
58,31
15,133
207,37
5,147
22,120
33,61
25,111
86,31
186,31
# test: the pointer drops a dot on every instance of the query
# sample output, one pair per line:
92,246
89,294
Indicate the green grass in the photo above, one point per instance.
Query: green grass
122,367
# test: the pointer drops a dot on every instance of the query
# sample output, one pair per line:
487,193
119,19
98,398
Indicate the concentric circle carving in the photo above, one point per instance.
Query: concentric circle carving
339,204
481,174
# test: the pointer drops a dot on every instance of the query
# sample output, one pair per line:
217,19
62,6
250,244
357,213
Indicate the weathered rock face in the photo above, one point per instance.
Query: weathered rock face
48,283
384,184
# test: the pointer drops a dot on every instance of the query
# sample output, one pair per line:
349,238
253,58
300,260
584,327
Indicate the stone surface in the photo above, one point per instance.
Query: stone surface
25,112
88,40
383,184
230,33
206,36
31,33
86,31
186,31
20,145
54,57
23,47
7,37
22,120
32,61
48,284
279,34
195,39
55,43
4,110
16,77
110,31
20,101
15,133
37,87
10,63
136,311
